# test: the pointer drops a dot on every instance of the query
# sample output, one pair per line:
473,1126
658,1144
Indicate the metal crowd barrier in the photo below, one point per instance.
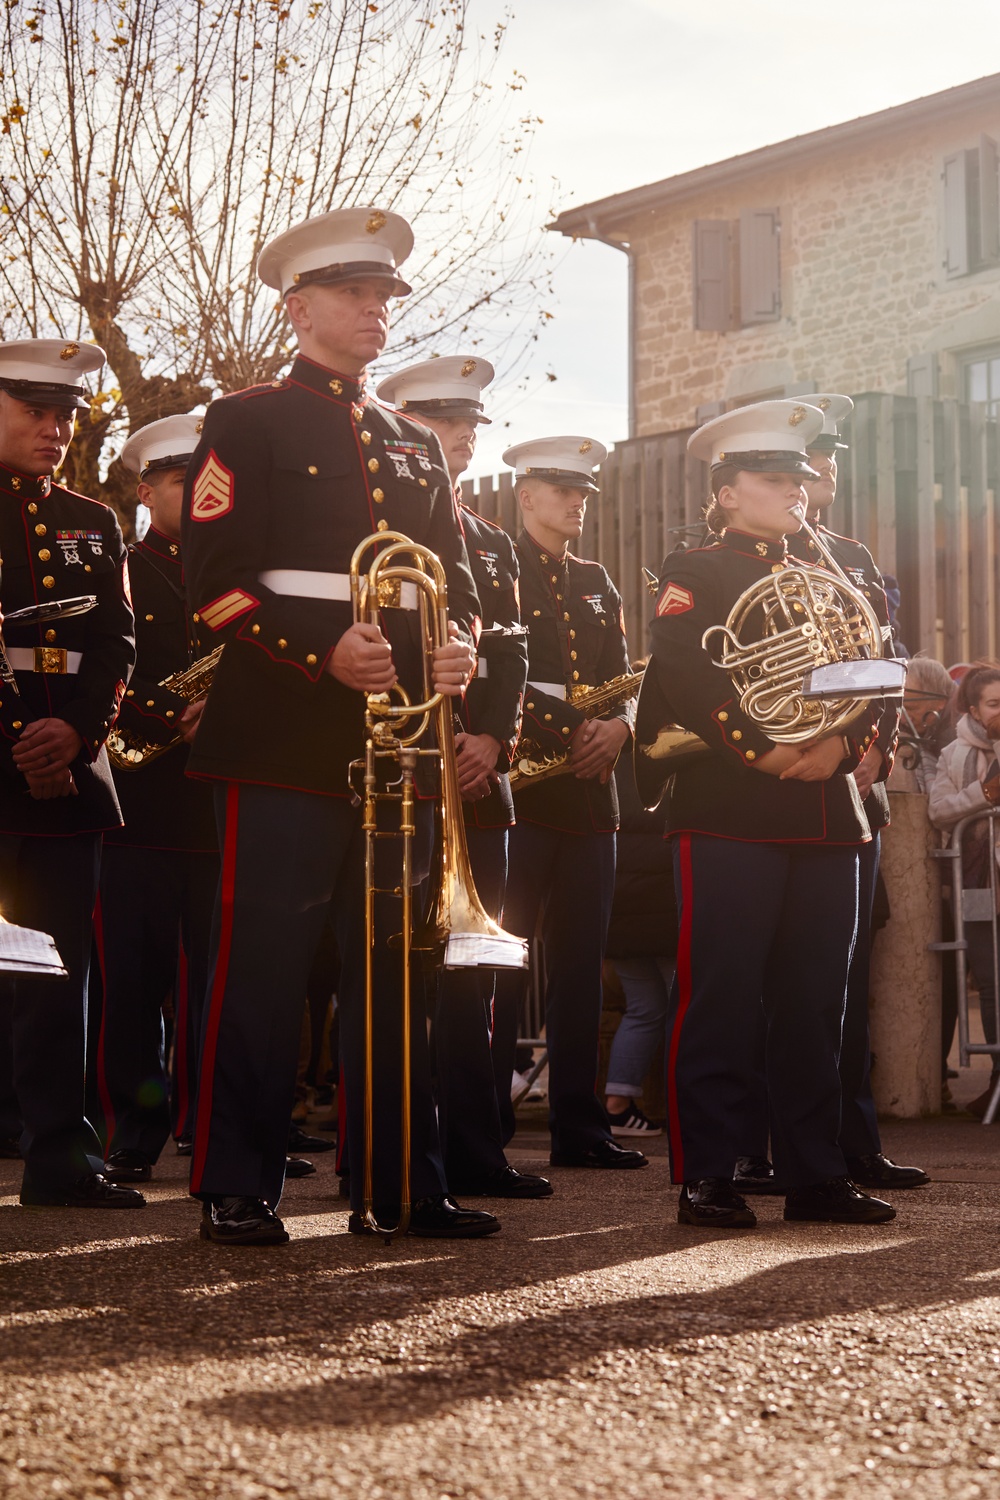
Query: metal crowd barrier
532,1024
973,904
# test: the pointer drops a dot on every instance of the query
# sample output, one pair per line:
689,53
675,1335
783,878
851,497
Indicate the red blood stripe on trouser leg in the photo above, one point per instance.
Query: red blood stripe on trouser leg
226,895
683,1001
103,1091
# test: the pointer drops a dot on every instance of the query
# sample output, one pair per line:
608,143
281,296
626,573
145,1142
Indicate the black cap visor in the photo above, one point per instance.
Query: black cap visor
44,393
352,270
447,406
565,477
826,443
169,461
768,461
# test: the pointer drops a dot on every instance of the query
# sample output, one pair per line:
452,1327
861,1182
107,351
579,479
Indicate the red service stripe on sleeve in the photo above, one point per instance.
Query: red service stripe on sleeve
675,600
227,607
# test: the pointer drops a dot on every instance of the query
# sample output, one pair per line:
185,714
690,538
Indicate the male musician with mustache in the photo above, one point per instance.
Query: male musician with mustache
56,792
445,394
287,480
766,839
562,850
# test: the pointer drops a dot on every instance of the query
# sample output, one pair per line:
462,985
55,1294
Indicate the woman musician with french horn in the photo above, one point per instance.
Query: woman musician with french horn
766,828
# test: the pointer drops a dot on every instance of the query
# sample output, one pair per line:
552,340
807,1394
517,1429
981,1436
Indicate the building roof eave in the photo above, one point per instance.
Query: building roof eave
598,220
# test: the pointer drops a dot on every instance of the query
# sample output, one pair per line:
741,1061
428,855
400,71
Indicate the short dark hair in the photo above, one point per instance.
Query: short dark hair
980,676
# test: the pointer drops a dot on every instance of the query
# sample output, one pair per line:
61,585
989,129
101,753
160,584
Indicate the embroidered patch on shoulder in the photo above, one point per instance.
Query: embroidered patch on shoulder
675,600
212,494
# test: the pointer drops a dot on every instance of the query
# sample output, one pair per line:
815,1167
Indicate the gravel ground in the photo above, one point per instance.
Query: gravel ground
594,1347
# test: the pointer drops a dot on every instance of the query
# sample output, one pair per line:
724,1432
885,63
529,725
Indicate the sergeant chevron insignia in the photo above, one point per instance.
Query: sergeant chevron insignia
675,600
212,493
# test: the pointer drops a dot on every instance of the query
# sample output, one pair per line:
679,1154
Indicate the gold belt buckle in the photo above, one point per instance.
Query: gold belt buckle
50,659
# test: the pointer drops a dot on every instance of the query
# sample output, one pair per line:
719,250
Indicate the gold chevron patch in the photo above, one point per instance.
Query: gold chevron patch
674,600
227,607
212,495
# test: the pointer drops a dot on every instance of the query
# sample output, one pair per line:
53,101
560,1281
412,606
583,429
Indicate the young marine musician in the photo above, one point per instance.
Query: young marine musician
287,480
160,872
562,849
56,791
766,839
446,396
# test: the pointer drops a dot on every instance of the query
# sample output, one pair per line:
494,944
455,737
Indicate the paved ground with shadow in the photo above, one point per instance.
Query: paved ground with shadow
593,1348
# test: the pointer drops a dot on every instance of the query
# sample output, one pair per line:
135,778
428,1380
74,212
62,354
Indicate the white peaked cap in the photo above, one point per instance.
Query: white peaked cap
769,435
559,460
48,371
339,246
166,444
835,409
454,383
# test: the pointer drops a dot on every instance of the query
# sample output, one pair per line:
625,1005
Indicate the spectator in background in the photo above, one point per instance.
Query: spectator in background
892,597
967,781
642,944
928,715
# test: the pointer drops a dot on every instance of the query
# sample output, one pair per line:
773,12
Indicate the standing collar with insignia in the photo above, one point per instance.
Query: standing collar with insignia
766,548
346,390
163,546
525,539
24,486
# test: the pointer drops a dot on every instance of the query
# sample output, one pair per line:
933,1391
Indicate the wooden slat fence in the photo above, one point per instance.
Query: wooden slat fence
920,486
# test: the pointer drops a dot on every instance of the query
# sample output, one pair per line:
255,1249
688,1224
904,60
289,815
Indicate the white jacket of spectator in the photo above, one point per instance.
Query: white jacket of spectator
957,789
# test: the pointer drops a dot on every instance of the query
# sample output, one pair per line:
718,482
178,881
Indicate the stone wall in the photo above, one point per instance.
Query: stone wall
863,287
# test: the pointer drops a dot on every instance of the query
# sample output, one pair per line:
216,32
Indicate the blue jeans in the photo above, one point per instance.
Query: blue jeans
646,982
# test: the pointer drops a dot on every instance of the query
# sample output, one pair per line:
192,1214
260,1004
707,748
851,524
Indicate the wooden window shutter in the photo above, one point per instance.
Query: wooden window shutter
712,274
760,266
922,375
957,257
989,203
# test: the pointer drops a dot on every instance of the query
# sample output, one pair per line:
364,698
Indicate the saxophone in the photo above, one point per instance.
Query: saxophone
534,764
128,751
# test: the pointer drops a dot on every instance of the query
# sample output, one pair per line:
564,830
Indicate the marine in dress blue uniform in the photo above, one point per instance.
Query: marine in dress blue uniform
766,841
445,394
286,481
56,792
562,850
859,1133
159,872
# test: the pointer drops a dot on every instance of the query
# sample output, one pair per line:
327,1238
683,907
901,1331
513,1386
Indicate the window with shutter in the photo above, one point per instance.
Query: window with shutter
712,274
989,203
922,375
956,215
760,266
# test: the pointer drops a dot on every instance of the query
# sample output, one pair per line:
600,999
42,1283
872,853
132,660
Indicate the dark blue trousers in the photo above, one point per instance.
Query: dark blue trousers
859,1132
287,858
566,881
153,941
51,884
769,925
468,1115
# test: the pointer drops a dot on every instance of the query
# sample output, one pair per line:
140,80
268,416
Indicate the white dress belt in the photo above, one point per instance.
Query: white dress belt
307,584
28,659
482,668
554,689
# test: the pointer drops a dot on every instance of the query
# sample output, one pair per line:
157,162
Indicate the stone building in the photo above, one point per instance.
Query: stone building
863,257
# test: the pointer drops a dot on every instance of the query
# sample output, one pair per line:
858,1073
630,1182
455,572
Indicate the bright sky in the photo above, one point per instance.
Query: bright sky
636,90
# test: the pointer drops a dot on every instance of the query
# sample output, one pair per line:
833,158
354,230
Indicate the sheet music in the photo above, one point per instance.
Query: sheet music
25,951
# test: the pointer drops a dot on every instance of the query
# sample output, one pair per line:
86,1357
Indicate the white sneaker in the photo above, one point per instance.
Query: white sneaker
519,1086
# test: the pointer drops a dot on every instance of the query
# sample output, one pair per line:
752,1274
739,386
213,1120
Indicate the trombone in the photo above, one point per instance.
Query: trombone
456,927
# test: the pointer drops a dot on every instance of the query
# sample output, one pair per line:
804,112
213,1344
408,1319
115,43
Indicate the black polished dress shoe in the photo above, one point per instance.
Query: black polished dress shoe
94,1191
10,1148
877,1171
606,1153
504,1182
713,1203
437,1218
241,1221
299,1141
754,1174
297,1166
185,1145
837,1201
128,1166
